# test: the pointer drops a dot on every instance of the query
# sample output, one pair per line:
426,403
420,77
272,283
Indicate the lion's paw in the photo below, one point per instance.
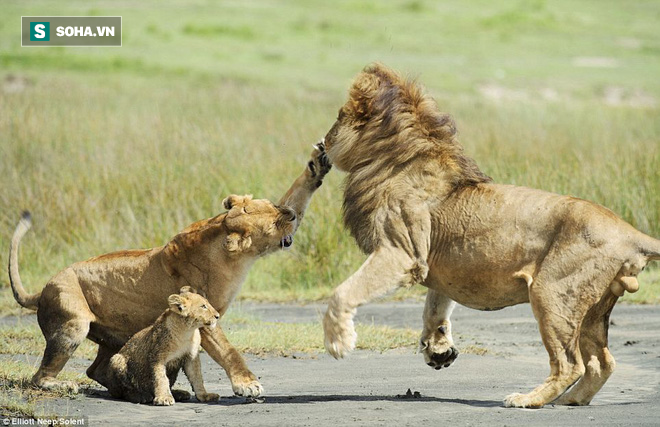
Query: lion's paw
340,335
207,397
519,400
180,395
57,385
567,400
250,388
320,164
164,400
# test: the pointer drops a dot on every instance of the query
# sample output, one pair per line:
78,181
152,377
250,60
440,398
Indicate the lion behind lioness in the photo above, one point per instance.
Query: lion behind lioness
425,213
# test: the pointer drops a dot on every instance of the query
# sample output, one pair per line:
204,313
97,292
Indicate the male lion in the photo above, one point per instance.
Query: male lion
425,213
146,367
111,297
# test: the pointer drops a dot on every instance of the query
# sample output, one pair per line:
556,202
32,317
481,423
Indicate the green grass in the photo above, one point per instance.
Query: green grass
28,339
249,334
115,148
18,398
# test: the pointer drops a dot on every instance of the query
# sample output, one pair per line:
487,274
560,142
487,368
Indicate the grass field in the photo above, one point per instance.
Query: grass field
114,148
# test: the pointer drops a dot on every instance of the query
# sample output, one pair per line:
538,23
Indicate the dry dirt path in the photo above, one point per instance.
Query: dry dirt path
362,389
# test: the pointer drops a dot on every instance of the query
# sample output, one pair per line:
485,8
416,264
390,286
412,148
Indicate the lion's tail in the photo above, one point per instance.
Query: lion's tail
22,297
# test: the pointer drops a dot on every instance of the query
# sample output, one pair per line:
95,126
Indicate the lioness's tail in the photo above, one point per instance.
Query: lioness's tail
22,297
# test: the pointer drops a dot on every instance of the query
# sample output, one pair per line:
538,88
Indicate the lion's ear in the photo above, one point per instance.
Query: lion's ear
363,94
234,242
235,200
171,252
178,303
384,73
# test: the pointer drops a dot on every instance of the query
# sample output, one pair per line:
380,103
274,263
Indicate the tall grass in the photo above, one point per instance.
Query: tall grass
120,148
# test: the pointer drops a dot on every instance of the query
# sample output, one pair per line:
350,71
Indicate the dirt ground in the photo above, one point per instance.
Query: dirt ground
369,388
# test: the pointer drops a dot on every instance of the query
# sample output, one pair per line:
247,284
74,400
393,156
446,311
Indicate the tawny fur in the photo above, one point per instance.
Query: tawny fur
146,367
416,203
111,297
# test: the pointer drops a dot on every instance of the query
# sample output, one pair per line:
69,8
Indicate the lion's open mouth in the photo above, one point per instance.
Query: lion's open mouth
286,241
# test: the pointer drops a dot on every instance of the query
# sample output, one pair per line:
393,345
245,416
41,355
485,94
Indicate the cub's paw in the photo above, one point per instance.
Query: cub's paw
249,388
340,335
164,400
180,395
207,397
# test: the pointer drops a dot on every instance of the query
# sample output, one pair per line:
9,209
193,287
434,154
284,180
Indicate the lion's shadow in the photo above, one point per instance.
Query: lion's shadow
298,399
305,398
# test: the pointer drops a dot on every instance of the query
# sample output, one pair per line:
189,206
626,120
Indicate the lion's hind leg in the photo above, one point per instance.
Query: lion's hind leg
59,348
64,318
598,361
560,306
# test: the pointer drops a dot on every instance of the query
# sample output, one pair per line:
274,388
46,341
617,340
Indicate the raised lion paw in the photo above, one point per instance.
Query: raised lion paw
340,335
320,164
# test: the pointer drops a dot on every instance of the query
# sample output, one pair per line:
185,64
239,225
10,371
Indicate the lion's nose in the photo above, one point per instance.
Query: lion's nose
217,316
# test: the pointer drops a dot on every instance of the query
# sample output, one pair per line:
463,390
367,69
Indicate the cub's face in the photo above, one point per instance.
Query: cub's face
195,308
257,227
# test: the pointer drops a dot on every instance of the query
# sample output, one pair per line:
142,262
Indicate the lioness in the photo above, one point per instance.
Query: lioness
146,367
425,213
111,297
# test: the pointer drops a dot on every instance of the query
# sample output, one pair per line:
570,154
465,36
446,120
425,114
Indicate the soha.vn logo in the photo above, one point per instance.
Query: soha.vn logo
39,31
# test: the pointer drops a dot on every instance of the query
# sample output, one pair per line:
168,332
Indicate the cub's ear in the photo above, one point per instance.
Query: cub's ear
234,242
190,289
234,200
186,289
178,303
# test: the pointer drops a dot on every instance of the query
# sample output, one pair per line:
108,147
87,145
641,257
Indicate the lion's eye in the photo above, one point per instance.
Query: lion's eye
205,307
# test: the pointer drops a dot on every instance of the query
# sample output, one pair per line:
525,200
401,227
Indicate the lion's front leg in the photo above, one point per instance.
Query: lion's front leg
436,342
302,189
243,382
384,270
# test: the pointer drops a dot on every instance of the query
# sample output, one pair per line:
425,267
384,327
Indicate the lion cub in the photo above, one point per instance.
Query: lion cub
146,367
